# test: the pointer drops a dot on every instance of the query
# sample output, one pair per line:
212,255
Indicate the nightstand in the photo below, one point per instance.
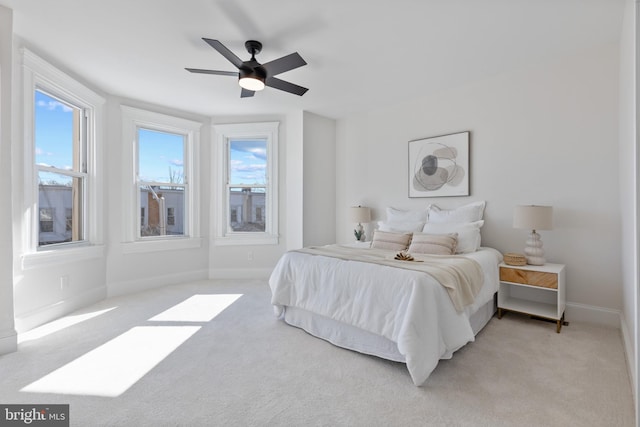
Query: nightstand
537,290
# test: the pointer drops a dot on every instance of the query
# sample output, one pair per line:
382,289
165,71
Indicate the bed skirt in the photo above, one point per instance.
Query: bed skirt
356,339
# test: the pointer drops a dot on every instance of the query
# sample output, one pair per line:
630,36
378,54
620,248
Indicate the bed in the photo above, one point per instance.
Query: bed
364,300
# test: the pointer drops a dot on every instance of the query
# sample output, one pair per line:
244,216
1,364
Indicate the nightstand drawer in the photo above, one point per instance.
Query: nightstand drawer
527,277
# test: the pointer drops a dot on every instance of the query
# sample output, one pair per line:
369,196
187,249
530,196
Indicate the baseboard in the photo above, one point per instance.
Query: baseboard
139,285
42,315
592,314
240,273
8,341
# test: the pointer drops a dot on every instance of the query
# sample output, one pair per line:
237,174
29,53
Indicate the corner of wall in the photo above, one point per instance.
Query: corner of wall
629,353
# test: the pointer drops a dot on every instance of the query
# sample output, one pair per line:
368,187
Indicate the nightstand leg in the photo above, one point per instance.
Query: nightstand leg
499,313
559,324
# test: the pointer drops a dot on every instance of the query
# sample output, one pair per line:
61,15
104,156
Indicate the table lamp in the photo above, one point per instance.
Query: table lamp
360,214
532,217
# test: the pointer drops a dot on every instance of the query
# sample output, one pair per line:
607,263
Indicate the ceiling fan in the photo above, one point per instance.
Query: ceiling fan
253,76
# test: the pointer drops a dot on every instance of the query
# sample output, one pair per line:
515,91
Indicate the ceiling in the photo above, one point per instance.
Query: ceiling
361,54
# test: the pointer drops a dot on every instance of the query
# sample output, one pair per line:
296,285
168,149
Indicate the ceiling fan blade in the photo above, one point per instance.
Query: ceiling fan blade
283,64
246,93
285,86
222,49
220,73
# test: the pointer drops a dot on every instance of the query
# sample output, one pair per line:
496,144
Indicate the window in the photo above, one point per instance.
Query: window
163,150
46,220
60,159
62,150
161,180
246,203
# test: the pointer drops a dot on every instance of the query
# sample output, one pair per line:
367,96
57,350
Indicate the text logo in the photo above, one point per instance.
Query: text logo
34,415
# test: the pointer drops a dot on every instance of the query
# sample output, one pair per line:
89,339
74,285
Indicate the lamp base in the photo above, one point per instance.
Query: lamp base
533,251
359,233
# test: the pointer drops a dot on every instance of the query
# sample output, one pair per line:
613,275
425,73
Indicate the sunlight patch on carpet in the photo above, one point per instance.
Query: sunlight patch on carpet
58,325
112,368
198,308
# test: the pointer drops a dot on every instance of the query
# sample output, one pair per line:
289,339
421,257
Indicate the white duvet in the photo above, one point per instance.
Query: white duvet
407,307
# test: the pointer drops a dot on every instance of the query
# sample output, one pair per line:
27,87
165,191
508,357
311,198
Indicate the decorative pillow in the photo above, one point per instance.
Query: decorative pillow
399,215
468,234
391,241
433,244
467,213
400,226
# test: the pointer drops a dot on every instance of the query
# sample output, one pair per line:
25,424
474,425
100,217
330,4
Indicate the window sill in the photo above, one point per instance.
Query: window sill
157,245
245,239
46,258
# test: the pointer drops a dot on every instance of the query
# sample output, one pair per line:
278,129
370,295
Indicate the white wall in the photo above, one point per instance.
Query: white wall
292,185
46,287
257,261
8,339
628,186
130,272
546,134
319,194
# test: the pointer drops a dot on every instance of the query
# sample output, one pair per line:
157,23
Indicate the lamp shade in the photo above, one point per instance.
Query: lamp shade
360,214
532,217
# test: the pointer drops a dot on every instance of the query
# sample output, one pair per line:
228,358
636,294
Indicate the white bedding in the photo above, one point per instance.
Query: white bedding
407,307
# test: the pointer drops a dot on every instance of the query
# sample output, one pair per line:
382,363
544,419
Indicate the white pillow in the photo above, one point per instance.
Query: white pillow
468,234
467,213
399,215
400,226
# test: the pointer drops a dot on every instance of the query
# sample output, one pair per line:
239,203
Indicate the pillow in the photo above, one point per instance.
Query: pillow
467,213
391,241
468,234
398,215
434,244
400,226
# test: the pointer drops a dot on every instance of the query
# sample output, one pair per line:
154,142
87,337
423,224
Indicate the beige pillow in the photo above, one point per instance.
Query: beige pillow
391,241
434,244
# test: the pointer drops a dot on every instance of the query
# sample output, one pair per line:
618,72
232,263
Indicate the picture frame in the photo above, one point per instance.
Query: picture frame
439,166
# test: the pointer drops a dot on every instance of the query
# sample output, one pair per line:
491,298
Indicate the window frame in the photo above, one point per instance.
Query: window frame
38,74
79,173
223,134
134,119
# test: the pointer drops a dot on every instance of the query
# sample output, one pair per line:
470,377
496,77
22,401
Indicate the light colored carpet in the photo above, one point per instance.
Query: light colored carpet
246,368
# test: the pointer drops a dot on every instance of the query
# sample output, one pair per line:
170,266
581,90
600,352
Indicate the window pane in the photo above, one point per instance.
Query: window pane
246,209
57,128
248,162
160,156
164,211
59,202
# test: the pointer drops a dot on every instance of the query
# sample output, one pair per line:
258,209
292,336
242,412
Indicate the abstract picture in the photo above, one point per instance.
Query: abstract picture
439,166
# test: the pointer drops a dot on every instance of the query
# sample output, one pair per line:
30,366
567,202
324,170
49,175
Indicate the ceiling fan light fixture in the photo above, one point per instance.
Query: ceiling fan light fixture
251,83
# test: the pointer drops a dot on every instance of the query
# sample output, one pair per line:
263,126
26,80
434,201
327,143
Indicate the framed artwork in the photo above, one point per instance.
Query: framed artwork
439,166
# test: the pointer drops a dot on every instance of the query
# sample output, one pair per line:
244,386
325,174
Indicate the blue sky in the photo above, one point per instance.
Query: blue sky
248,161
53,132
161,154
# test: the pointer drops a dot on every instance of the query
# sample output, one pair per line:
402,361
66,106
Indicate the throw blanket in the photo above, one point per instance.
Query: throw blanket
461,277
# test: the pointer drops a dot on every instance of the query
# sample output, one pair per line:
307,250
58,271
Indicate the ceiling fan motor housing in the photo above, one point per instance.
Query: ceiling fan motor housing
252,69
